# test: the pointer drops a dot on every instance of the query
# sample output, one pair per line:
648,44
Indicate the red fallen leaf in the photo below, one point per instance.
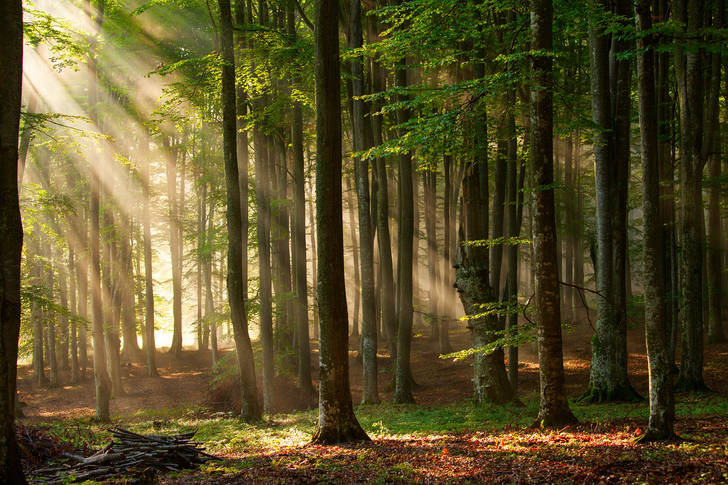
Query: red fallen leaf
445,451
638,431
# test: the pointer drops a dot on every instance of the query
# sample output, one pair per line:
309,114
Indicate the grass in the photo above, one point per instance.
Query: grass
228,435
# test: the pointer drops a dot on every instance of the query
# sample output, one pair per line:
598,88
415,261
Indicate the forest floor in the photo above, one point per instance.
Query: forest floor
444,438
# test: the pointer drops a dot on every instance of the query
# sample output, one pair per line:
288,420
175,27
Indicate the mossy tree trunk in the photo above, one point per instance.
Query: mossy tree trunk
336,422
553,408
662,402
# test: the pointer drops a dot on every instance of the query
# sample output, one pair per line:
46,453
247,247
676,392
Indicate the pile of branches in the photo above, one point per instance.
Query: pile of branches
129,454
38,447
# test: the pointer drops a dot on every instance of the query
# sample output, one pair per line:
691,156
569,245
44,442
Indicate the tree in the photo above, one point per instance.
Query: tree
553,408
695,144
11,233
337,422
102,381
662,402
610,92
149,346
405,257
250,409
362,141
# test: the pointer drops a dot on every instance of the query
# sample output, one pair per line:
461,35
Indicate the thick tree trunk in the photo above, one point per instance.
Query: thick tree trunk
336,422
250,406
689,69
11,234
553,408
714,268
608,380
662,402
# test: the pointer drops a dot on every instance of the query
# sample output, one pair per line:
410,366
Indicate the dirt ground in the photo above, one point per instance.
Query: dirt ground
184,382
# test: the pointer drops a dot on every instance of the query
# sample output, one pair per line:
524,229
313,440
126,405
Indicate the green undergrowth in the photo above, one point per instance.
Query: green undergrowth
226,434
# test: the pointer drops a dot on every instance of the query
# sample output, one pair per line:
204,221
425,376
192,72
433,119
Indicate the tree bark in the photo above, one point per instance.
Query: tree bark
662,402
336,422
250,406
608,380
11,234
170,156
553,408
405,256
362,136
102,381
689,70
303,349
149,347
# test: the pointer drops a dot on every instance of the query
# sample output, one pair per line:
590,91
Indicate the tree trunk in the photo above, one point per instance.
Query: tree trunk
662,402
553,408
444,346
512,231
11,234
716,332
472,278
689,70
149,347
131,350
73,307
337,422
102,381
250,406
405,256
50,320
170,156
362,135
355,257
608,380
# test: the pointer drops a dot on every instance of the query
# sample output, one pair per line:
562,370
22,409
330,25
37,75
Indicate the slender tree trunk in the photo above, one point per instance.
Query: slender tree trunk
355,257
50,320
512,231
82,267
63,321
429,183
149,347
444,346
553,408
405,256
112,305
102,381
73,307
662,402
337,422
250,409
314,260
363,140
170,155
131,350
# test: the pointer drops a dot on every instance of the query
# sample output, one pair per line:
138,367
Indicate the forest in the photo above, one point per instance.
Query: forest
354,241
